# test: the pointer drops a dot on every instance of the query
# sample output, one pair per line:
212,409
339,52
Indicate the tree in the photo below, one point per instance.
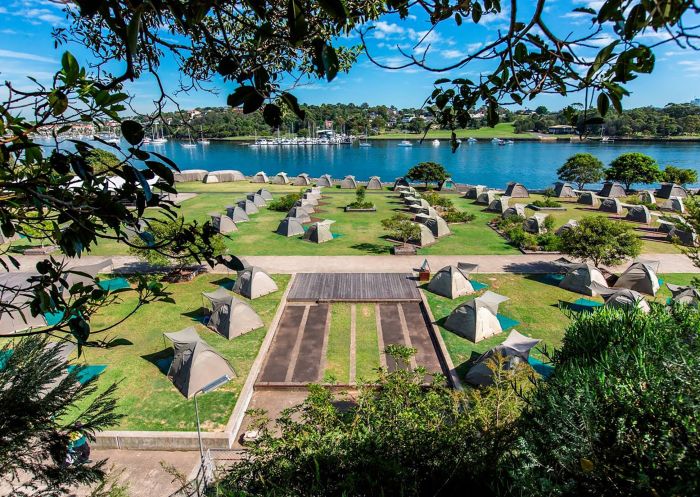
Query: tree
102,161
601,241
581,169
401,228
679,175
633,167
428,172
41,403
541,110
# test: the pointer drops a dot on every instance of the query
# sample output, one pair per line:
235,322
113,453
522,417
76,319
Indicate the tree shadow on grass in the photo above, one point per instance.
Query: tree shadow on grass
226,282
110,343
199,315
161,359
372,248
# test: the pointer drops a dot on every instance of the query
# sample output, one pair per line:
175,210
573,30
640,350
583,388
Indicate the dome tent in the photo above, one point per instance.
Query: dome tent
473,192
499,205
669,190
535,224
224,176
190,175
306,205
325,181
257,199
425,238
374,183
319,232
349,183
247,206
419,205
513,211
477,319
579,277
640,277
621,298
266,195
300,214
223,224
229,316
302,180
571,223
237,214
260,177
638,214
612,205
485,198
281,178
253,282
448,185
309,199
516,190
686,237
612,190
438,226
453,281
647,197
589,198
515,350
290,226
688,295
195,364
564,190
400,182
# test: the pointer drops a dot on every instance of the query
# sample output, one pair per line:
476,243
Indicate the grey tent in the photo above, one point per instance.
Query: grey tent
191,175
400,182
306,205
516,190
686,237
257,199
669,190
325,180
589,198
448,185
302,180
229,316
688,295
349,183
300,214
499,205
477,319
564,190
266,195
640,277
319,232
401,188
515,350
86,273
253,282
473,192
515,210
247,206
195,364
612,190
647,197
309,199
580,277
374,183
571,223
290,226
638,214
224,176
438,226
676,204
223,224
260,177
620,298
237,214
281,178
452,281
15,295
612,205
411,200
665,226
535,224
425,237
485,198
419,205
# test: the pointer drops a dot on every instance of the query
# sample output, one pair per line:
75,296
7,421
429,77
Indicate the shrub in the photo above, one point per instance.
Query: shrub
455,216
360,199
547,202
401,228
549,223
283,204
601,241
437,200
548,242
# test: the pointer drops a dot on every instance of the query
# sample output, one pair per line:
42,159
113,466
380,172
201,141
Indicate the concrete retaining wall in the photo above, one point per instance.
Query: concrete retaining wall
159,440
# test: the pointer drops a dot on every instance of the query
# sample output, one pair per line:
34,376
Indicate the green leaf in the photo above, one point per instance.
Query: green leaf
335,8
239,95
272,115
132,32
603,104
161,170
58,101
476,12
227,66
293,104
132,132
330,62
296,21
252,102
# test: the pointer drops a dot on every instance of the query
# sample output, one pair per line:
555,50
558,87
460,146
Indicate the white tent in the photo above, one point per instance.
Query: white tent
579,277
253,282
260,177
564,190
620,298
247,206
257,199
223,224
319,232
290,226
612,190
349,182
237,214
513,211
438,226
589,198
640,277
281,178
485,198
425,238
669,190
266,195
477,319
224,176
374,183
688,295
499,205
473,192
612,205
452,281
516,190
325,180
302,180
571,223
300,214
535,223
515,350
229,316
638,214
190,175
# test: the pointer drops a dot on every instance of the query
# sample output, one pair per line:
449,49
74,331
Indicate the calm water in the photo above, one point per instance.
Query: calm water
532,163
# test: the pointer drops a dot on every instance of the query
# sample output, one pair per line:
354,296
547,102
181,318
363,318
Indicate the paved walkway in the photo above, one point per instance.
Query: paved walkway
514,263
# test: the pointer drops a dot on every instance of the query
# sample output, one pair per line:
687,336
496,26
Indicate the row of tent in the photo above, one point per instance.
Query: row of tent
240,211
587,279
293,224
432,225
281,178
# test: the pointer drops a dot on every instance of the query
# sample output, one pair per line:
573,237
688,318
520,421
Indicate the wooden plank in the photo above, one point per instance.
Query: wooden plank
354,287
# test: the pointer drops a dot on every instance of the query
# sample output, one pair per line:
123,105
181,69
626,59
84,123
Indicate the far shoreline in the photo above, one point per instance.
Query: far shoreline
539,139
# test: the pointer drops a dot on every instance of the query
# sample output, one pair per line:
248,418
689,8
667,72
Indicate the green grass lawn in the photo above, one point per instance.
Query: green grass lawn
502,130
146,396
534,304
338,350
366,342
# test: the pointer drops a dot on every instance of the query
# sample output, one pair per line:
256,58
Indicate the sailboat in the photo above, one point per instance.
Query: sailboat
158,138
436,142
405,143
202,140
365,143
190,143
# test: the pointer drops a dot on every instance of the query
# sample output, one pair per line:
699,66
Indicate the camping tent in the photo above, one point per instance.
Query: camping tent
195,364
477,319
400,182
224,176
612,205
266,195
515,210
89,272
647,197
190,175
499,205
564,190
515,350
516,190
319,232
309,199
535,223
247,206
281,178
448,185
438,226
473,192
325,180
589,198
686,237
669,190
485,198
571,223
253,282
302,180
374,183
688,295
306,205
452,281
300,213
620,298
260,177
676,204
349,183
579,277
640,277
237,214
425,238
223,224
612,190
229,316
419,205
257,199
290,226
638,214
15,295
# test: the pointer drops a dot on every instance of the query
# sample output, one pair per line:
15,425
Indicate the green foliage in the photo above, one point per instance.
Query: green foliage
360,199
549,192
633,167
581,169
547,202
679,175
400,227
102,161
549,223
284,203
428,172
437,200
601,241
455,216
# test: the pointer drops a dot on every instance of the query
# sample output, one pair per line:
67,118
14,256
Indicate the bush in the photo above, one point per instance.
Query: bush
549,242
549,223
401,228
283,204
437,200
455,216
547,202
601,241
360,199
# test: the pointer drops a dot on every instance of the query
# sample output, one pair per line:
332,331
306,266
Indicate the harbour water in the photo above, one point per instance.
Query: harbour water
533,163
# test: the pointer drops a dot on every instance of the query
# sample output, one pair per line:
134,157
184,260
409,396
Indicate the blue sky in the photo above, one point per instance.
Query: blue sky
26,48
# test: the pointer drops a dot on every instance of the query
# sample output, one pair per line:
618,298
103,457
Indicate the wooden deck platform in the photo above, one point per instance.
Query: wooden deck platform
354,287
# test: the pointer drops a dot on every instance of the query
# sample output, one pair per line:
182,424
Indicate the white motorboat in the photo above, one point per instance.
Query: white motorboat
405,143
